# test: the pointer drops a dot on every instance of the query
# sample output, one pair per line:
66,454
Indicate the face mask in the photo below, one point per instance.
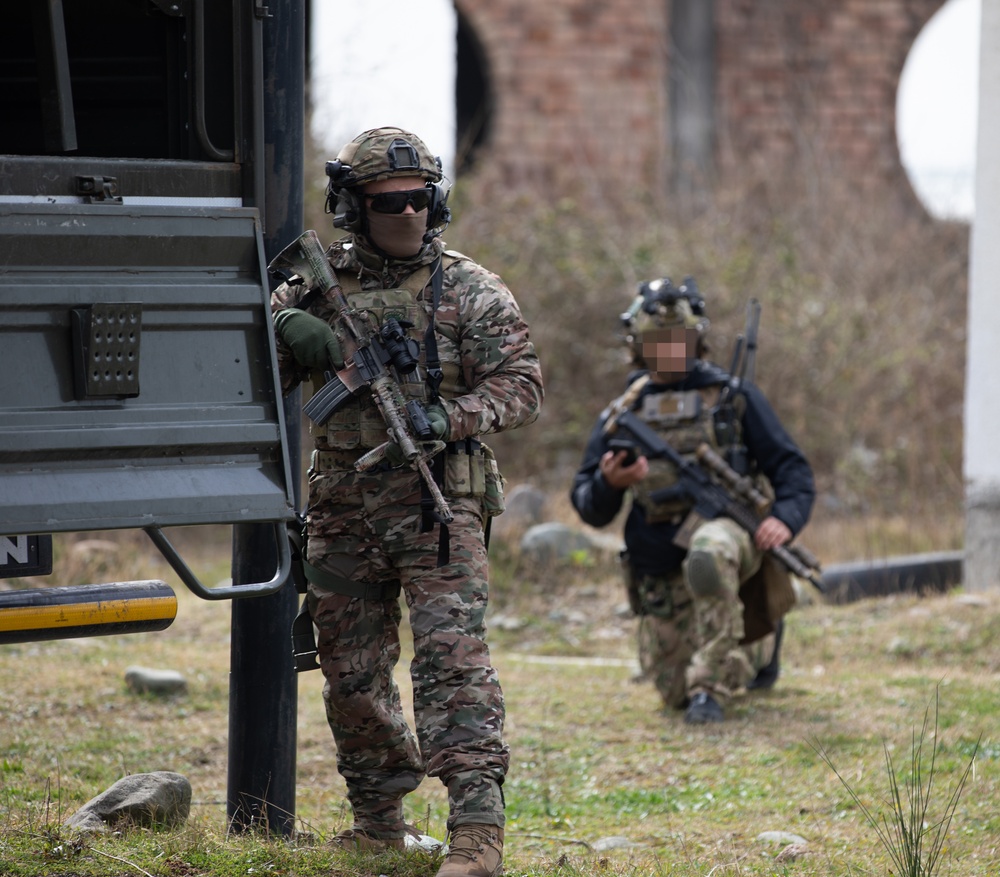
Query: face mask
400,235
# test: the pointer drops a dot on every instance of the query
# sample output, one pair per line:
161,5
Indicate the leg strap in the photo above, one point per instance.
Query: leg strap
339,585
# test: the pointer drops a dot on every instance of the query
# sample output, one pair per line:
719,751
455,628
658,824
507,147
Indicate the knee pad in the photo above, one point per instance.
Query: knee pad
702,573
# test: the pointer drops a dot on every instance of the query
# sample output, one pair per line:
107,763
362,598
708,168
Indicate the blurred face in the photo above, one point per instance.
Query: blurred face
668,353
397,214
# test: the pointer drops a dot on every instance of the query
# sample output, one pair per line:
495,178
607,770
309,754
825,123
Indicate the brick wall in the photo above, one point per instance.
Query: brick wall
580,87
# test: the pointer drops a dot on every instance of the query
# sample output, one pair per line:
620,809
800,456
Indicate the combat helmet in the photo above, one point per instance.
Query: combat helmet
378,154
659,304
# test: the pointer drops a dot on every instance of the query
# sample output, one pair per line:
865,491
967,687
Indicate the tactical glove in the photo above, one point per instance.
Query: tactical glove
310,339
394,455
438,421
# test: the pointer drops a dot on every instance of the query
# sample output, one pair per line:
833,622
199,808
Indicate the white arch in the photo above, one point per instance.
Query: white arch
936,110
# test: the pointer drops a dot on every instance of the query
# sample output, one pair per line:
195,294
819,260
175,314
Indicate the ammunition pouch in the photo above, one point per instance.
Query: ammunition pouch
684,419
767,596
471,470
464,468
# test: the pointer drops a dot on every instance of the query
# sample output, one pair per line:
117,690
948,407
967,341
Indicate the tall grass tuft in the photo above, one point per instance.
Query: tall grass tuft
911,840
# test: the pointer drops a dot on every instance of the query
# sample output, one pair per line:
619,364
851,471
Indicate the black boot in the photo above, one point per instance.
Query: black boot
767,676
703,709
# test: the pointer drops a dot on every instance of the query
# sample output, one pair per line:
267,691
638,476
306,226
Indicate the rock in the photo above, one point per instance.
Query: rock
902,647
524,504
792,852
553,541
425,842
161,799
568,616
605,541
144,679
523,508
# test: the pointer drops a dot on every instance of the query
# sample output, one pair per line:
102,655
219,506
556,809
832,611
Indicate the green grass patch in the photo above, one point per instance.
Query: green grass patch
603,781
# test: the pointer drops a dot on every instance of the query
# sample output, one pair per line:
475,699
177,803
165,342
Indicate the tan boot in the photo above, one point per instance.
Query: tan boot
359,840
474,851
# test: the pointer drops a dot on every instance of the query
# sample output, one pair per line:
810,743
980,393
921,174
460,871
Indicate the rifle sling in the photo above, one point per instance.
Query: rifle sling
433,364
309,298
428,511
429,515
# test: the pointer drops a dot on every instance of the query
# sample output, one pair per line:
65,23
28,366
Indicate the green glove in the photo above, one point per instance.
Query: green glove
310,339
394,455
438,420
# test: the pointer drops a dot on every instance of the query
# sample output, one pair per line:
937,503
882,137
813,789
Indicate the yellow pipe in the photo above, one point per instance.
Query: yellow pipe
87,610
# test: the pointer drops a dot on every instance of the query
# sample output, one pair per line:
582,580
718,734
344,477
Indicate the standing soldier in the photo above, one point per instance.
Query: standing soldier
695,640
371,534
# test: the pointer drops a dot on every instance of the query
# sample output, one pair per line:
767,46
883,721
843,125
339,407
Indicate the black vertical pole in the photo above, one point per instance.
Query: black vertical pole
263,695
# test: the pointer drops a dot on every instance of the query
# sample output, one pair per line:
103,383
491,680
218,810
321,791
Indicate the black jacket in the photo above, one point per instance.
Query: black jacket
650,546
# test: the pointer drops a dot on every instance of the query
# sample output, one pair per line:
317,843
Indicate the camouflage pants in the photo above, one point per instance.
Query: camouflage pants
689,637
366,529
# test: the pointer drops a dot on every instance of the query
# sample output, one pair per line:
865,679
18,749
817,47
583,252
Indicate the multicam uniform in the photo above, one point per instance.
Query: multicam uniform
366,542
690,635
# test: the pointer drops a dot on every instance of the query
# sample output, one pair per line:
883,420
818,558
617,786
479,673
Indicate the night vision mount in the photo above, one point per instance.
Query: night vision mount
654,294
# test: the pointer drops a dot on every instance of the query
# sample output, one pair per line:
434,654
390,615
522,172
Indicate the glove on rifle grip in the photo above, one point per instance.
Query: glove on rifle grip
310,339
438,422
438,419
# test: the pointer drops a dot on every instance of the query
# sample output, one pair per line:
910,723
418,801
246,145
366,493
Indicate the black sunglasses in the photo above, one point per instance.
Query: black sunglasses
395,202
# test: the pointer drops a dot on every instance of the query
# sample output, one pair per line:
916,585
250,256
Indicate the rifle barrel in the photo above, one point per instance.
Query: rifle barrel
753,327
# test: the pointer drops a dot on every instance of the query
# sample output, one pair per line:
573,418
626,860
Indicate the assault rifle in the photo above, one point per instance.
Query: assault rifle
740,372
372,356
735,498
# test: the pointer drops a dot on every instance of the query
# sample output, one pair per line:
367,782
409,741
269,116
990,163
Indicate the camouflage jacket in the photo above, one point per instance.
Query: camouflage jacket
483,341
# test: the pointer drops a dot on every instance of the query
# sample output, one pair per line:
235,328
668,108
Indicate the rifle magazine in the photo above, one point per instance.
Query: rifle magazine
327,400
682,538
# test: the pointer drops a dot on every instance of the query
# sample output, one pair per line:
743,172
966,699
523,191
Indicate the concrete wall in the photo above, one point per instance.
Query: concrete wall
982,389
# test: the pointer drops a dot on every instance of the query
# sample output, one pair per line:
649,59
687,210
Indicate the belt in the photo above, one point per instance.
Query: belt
343,459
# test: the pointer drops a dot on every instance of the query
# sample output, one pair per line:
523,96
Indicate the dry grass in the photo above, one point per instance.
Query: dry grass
593,755
862,343
862,352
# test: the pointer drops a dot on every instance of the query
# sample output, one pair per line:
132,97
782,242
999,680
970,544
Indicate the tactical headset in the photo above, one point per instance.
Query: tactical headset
345,200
